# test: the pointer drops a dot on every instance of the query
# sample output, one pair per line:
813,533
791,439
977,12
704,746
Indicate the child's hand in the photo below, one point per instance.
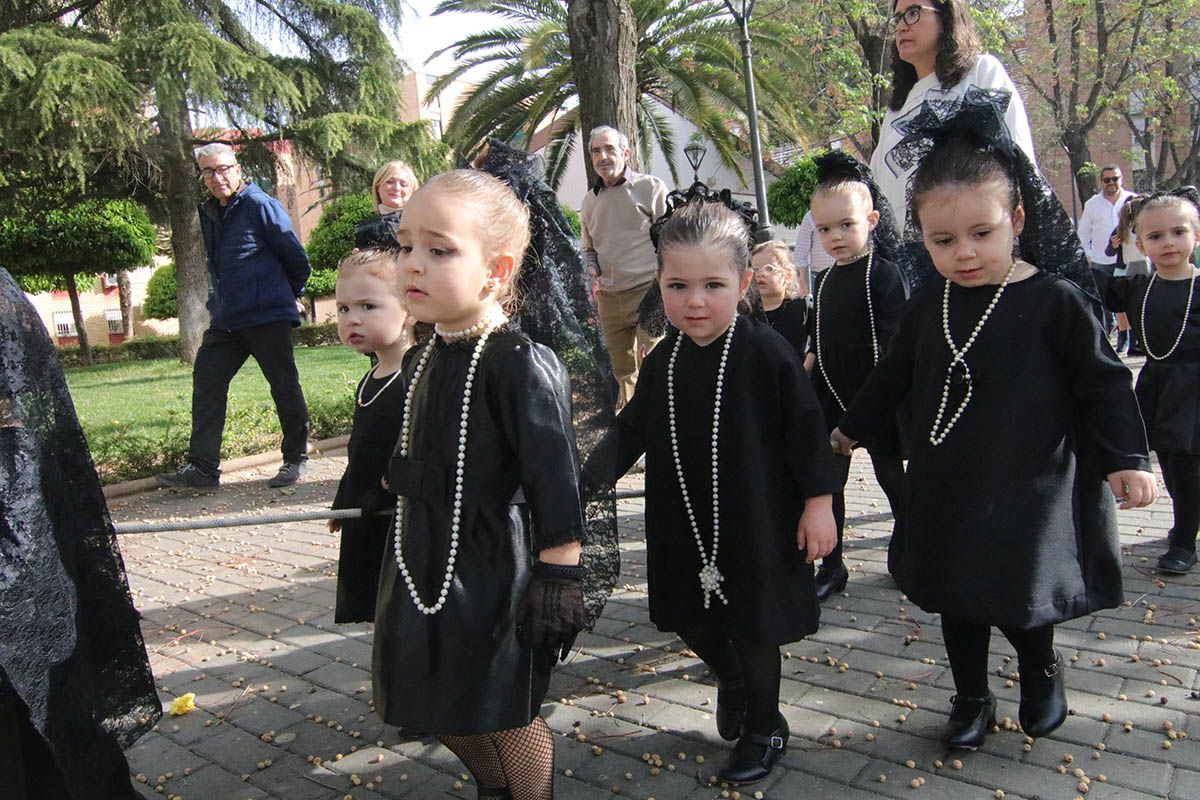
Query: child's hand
1135,487
334,525
842,444
817,532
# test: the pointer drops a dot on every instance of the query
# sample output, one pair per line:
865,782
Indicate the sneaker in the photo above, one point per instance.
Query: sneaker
189,476
287,475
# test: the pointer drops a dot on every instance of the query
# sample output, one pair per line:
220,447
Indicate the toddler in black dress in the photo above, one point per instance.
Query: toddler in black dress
783,292
371,319
1023,419
738,480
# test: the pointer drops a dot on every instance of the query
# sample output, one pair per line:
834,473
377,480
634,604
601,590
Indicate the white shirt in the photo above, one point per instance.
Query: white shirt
1097,223
988,73
808,250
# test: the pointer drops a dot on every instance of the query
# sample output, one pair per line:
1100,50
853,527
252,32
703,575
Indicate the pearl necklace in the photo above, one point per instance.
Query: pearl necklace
958,370
459,470
870,317
1182,328
363,384
493,319
710,577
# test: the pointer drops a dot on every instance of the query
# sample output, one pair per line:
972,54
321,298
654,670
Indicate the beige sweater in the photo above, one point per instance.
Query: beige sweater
616,231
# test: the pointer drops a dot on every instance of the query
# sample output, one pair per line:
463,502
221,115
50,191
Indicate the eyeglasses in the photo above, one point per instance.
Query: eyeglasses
1111,179
910,16
767,269
208,173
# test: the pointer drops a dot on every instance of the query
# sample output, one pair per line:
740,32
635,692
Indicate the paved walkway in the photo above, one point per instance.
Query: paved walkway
243,618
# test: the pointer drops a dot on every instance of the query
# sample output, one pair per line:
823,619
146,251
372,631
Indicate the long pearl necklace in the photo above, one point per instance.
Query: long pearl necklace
484,330
363,384
870,318
958,370
710,577
1182,328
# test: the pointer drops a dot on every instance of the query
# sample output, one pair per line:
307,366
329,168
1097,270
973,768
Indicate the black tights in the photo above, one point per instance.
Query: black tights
519,760
757,666
967,647
889,471
1181,473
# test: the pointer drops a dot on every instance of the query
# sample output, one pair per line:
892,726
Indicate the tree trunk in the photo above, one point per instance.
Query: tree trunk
1080,154
85,350
125,294
187,243
603,35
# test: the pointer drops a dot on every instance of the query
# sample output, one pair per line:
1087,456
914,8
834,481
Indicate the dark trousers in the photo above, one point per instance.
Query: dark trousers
1181,473
221,355
967,647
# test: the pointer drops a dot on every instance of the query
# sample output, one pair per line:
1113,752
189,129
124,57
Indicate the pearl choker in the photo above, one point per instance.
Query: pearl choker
870,253
958,371
1187,311
493,319
710,577
485,329
843,262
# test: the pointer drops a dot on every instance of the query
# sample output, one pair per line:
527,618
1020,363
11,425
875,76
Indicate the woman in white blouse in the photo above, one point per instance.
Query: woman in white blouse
935,54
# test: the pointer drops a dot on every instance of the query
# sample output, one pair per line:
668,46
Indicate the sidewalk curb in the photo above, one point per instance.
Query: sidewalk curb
140,485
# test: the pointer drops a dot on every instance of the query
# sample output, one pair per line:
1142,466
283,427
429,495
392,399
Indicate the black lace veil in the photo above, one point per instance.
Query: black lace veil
556,309
70,645
838,165
1048,241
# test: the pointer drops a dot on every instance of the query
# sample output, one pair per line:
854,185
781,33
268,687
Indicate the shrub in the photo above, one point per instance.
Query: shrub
315,335
572,218
142,348
161,302
333,237
788,197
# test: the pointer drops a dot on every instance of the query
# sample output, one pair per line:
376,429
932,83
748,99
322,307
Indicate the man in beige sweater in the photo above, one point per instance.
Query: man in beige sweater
616,216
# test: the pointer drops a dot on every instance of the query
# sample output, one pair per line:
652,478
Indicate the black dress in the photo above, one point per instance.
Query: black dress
372,439
1168,391
847,355
790,320
461,671
377,231
773,454
1010,520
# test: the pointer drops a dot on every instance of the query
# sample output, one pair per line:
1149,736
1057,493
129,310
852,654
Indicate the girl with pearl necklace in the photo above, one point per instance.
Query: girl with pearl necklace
739,478
1024,427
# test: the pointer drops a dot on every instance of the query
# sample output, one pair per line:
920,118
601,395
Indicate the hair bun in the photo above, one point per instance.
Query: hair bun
838,165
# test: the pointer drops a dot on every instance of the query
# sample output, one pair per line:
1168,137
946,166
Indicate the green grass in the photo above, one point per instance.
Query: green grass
137,415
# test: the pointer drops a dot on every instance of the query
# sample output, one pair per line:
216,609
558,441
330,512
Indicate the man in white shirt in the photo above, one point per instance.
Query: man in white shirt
1100,217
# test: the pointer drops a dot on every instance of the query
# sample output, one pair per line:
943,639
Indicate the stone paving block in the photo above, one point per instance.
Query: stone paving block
1186,785
213,783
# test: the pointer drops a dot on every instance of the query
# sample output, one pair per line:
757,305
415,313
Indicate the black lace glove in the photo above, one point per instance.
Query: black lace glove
550,614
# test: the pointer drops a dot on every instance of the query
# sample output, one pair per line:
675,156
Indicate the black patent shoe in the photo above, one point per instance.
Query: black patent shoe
829,581
1177,560
970,720
1042,717
755,755
731,709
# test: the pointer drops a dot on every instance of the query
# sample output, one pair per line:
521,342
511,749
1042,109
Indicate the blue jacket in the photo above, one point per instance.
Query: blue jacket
256,265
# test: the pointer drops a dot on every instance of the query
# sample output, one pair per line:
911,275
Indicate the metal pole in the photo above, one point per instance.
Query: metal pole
763,233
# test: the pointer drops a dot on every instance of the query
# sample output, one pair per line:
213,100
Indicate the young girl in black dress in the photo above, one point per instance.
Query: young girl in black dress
784,298
738,480
1023,418
371,319
481,589
856,305
1166,321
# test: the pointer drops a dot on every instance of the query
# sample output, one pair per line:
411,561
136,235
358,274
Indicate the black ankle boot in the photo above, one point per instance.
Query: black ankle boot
731,709
830,580
970,720
755,755
1042,716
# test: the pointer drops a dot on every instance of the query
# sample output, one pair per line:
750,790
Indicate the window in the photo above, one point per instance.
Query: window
108,280
112,316
435,126
64,324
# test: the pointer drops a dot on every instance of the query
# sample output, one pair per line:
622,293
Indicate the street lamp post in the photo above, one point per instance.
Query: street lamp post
741,15
695,152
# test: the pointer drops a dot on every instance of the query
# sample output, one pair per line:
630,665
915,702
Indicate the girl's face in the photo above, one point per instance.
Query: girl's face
446,274
769,275
918,43
1167,236
395,188
701,289
369,313
844,219
969,231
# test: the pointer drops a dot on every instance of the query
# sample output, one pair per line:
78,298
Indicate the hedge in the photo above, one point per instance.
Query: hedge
147,348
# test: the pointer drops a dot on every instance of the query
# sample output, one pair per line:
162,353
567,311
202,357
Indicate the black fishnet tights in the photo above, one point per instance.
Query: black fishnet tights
519,760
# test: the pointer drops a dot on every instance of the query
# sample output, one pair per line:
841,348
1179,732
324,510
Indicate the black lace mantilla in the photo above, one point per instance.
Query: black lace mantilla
839,165
557,310
70,645
1049,241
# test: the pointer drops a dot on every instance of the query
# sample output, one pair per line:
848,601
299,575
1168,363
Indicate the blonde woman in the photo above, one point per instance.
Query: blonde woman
393,184
784,297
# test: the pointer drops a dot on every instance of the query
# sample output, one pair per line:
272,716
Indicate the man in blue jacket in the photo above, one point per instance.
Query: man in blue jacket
257,270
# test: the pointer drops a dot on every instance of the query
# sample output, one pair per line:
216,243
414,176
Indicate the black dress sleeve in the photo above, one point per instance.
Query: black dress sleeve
887,385
805,440
889,293
1115,292
534,397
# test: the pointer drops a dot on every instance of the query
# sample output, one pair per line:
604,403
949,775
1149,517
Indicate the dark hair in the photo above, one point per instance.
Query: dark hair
963,160
958,47
708,223
1185,197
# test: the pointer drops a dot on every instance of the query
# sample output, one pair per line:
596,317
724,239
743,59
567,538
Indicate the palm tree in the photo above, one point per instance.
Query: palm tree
688,60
